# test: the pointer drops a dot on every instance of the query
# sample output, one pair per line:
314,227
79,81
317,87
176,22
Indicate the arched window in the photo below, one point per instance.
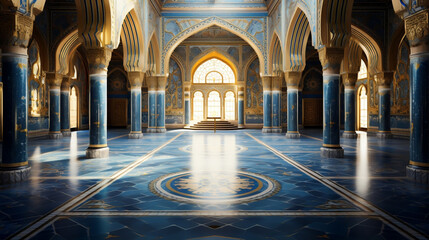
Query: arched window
363,108
363,72
230,106
198,106
214,104
214,71
74,114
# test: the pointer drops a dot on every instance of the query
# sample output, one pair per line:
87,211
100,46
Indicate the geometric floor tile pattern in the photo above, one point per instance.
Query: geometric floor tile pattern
229,185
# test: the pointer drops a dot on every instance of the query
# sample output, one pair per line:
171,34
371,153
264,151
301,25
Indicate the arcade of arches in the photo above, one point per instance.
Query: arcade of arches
100,99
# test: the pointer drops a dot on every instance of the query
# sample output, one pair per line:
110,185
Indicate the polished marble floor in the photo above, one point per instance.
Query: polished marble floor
229,185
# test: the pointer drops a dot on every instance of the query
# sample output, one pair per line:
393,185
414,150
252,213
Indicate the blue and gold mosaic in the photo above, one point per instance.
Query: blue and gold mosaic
214,187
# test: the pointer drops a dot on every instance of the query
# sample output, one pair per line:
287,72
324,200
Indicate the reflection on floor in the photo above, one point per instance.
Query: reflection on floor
229,185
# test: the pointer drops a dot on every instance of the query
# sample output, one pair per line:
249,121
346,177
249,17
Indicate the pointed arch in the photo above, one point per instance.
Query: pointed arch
212,21
153,58
296,39
95,22
371,49
65,52
132,40
352,57
335,22
276,54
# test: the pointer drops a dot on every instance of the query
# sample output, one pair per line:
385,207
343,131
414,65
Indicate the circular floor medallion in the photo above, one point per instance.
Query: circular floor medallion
214,187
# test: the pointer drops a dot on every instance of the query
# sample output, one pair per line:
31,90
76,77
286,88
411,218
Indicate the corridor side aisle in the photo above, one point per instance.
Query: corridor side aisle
231,185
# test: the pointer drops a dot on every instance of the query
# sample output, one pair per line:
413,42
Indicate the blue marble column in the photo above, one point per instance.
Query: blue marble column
331,60
14,164
383,81
349,80
187,108
160,104
267,104
300,124
418,169
276,98
136,80
241,108
98,60
292,79
152,92
54,82
65,107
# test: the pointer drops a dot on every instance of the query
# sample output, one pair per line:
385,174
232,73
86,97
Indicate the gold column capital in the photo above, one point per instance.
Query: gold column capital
16,29
54,79
293,78
331,58
152,83
266,82
136,79
384,79
349,79
65,85
417,30
162,82
98,59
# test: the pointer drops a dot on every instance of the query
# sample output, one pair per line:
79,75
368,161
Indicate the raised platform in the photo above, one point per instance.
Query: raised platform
209,125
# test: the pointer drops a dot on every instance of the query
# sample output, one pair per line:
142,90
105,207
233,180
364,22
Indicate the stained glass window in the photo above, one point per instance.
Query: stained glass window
363,72
214,71
198,105
229,106
363,105
214,104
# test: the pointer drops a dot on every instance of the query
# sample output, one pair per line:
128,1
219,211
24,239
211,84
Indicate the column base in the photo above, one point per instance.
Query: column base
276,130
97,152
66,134
332,152
135,135
349,135
151,130
241,126
161,130
9,176
266,130
417,174
293,135
55,135
384,135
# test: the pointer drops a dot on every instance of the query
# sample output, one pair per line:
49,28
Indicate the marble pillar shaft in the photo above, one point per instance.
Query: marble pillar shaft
300,108
331,110
240,108
136,110
419,141
267,95
15,111
160,110
292,110
350,110
152,110
54,110
187,108
98,111
65,110
384,109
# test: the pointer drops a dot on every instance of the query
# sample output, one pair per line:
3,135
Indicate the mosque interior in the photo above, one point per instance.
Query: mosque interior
214,119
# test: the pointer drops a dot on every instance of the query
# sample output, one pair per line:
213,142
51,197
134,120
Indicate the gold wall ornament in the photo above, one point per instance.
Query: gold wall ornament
16,29
349,79
416,28
136,79
98,59
331,59
293,78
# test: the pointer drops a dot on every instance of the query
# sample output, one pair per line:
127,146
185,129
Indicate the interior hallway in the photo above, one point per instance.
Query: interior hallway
178,186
